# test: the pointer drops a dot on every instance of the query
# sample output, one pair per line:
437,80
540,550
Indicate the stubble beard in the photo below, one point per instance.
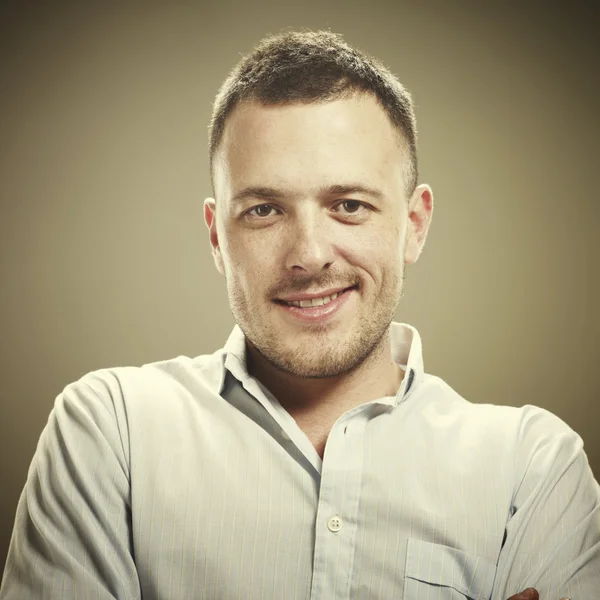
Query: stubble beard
319,355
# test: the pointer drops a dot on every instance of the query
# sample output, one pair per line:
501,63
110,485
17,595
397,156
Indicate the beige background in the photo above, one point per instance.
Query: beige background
103,168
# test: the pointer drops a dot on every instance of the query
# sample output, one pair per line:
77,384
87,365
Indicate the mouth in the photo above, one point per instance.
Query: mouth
317,301
319,308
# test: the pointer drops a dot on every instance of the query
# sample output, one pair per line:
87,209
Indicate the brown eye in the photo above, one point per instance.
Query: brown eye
264,210
351,206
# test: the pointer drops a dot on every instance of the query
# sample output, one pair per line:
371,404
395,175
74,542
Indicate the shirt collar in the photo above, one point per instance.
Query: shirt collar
407,352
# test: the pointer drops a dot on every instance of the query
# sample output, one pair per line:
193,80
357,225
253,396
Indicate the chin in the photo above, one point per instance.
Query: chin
312,370
310,362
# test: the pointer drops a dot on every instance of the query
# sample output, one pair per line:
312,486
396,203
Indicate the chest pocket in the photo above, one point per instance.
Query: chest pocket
438,572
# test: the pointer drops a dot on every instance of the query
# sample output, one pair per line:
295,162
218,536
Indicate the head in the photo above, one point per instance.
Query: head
314,172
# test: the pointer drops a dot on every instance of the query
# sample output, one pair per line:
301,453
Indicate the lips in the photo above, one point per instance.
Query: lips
319,313
320,301
306,300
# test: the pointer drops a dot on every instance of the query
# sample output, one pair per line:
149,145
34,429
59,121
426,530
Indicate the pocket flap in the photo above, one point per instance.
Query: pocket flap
470,575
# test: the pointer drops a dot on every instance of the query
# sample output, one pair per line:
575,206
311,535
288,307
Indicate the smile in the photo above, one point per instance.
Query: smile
317,310
313,302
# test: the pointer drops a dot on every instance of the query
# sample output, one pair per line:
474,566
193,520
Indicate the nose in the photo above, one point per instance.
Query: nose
311,246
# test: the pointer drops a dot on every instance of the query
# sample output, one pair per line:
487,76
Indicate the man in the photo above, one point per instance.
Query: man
312,456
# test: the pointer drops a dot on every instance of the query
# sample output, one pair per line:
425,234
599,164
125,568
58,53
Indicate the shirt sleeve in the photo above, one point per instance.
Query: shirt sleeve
552,538
72,531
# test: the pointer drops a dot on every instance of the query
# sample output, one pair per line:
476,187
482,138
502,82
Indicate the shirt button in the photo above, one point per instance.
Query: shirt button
334,523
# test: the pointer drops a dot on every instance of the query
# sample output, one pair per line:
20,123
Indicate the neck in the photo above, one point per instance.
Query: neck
376,377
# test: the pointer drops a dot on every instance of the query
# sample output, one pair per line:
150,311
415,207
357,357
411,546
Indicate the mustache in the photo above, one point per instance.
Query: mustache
305,284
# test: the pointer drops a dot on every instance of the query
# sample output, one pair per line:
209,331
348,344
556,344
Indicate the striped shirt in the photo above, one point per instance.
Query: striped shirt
186,478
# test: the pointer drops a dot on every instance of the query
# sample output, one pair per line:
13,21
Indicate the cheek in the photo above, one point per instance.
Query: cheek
378,254
248,263
369,247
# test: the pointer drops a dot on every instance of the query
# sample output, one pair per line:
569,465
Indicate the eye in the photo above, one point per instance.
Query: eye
261,211
351,206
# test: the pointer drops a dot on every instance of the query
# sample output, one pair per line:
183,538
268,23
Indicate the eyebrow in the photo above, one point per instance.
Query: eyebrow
269,193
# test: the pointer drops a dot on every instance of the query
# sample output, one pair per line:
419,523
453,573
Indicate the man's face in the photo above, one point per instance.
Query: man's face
295,234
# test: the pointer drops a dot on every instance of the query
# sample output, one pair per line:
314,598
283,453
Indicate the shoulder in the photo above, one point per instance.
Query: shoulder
115,398
436,398
527,417
525,429
114,386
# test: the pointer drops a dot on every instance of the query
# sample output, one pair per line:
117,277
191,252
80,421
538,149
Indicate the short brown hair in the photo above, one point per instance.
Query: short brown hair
311,66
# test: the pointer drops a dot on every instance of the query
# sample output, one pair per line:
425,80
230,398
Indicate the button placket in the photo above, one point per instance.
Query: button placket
337,512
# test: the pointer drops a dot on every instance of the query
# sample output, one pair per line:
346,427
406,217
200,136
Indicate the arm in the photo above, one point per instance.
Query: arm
553,534
72,533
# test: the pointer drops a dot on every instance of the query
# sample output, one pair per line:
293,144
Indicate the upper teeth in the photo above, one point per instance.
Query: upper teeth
314,301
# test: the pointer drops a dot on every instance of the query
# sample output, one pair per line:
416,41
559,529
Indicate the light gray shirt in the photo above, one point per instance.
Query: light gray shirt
186,478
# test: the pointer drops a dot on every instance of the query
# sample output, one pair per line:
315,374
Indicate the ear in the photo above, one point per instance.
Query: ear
420,209
210,218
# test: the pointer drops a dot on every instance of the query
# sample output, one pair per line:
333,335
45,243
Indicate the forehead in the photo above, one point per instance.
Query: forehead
309,143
